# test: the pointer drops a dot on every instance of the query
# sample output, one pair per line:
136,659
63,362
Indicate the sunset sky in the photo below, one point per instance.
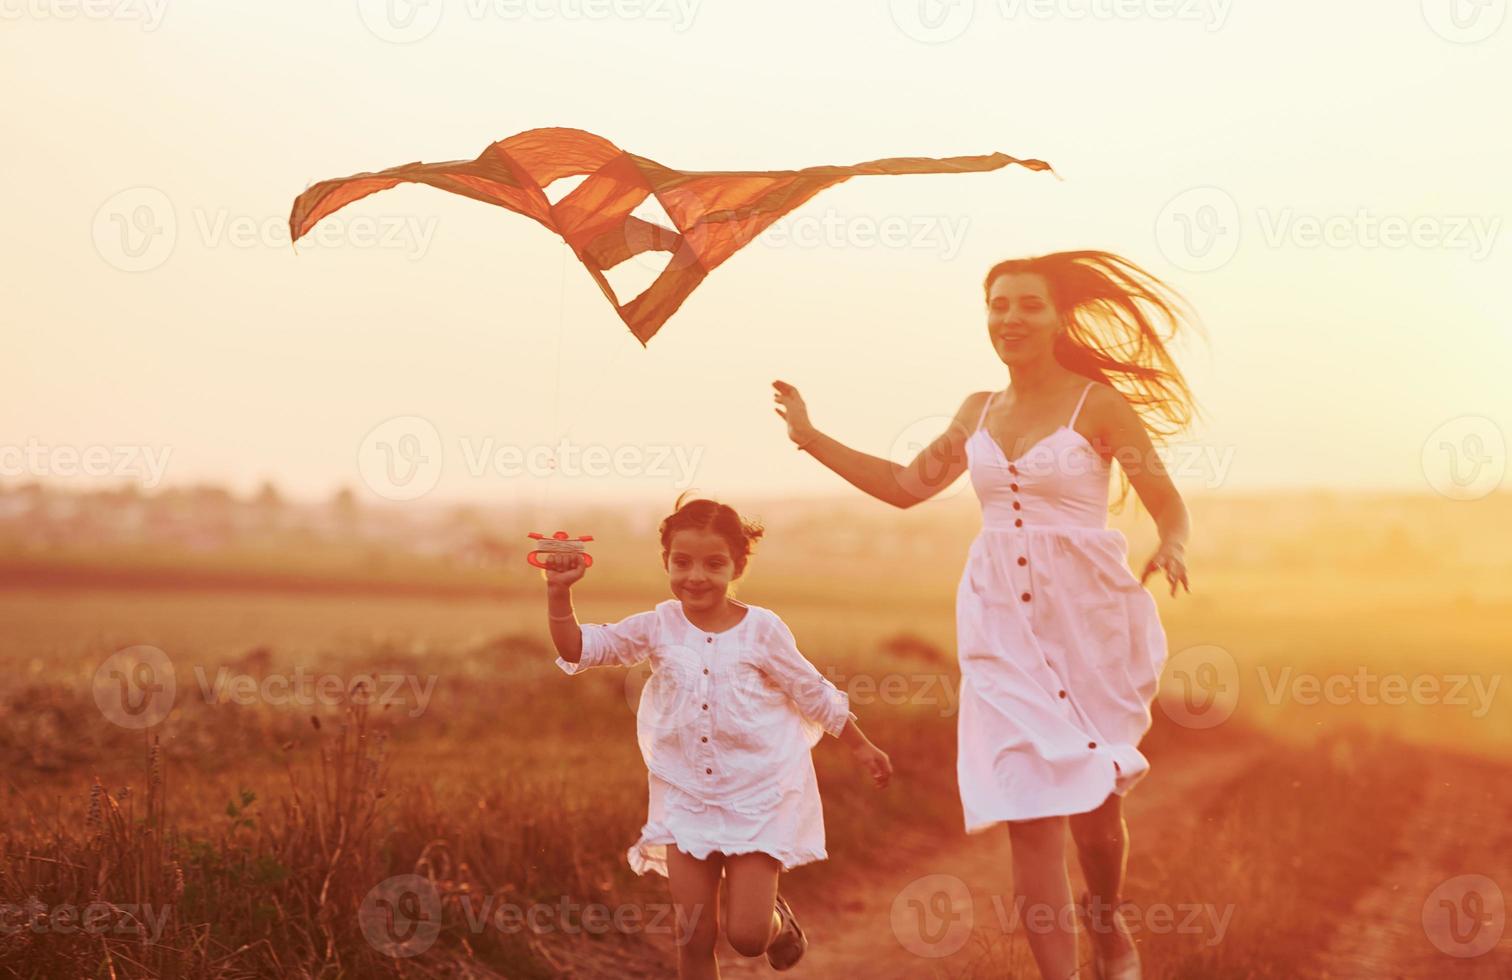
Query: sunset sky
153,304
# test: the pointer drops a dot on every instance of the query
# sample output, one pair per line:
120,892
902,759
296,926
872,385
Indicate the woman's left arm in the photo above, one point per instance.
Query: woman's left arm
1123,432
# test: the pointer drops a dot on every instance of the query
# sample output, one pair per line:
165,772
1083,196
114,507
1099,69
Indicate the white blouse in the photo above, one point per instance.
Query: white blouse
725,715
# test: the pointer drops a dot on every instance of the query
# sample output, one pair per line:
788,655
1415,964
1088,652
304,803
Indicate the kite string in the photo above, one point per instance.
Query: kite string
556,420
540,487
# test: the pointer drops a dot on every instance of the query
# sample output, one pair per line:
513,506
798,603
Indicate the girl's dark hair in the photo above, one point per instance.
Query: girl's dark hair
1119,319
703,514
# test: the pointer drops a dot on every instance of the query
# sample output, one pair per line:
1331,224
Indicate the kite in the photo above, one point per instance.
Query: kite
714,213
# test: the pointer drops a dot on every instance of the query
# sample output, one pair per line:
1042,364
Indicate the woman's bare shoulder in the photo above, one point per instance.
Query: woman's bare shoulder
974,403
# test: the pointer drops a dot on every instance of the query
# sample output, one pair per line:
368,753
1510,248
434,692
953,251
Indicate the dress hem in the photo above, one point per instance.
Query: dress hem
641,859
1119,784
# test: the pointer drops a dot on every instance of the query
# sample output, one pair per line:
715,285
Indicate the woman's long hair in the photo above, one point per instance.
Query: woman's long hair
1119,320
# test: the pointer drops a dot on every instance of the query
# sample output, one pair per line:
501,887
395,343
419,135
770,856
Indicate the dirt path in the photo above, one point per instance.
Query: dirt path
1437,907
949,914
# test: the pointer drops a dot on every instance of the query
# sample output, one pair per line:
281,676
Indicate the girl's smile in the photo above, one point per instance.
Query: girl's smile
700,570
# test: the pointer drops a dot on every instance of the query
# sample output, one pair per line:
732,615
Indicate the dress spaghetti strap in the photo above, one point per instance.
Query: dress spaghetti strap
983,414
1072,423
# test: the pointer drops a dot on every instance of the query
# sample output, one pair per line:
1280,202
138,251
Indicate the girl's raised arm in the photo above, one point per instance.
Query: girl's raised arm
936,467
622,644
562,570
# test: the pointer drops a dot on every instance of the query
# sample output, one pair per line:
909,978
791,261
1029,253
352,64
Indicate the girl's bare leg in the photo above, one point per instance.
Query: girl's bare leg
751,901
1041,883
695,897
1102,846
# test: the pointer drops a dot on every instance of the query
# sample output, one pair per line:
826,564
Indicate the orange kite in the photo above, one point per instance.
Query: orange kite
715,213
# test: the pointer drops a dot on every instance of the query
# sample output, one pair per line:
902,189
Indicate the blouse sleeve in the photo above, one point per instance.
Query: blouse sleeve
817,698
622,644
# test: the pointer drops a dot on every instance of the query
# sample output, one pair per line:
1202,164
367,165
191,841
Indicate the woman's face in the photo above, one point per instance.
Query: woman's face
1021,320
699,568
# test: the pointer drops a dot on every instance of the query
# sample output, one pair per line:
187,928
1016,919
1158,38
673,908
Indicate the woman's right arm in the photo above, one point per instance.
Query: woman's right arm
936,467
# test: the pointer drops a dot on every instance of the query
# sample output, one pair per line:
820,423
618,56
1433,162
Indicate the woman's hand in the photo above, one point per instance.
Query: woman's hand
1171,556
562,570
875,762
794,412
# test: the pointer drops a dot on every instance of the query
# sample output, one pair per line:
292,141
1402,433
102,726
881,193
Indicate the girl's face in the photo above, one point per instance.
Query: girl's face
1021,320
699,568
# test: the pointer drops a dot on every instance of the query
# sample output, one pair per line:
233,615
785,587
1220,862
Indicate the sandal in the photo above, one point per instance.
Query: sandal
789,945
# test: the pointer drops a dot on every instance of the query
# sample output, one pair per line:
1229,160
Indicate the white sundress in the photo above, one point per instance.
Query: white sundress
1060,646
726,724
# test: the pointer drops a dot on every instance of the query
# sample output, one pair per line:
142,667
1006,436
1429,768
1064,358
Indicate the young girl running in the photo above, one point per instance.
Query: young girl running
726,724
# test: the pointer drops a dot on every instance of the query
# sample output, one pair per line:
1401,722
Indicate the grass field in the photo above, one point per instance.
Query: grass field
1329,671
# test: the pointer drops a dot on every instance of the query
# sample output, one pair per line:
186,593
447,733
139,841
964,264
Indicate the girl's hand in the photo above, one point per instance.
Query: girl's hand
794,412
875,762
562,570
1171,556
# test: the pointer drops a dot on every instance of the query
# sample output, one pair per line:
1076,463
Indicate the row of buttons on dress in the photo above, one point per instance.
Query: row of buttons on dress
705,738
1019,522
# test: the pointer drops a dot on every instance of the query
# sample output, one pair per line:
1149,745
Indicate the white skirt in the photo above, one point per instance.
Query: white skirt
786,823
